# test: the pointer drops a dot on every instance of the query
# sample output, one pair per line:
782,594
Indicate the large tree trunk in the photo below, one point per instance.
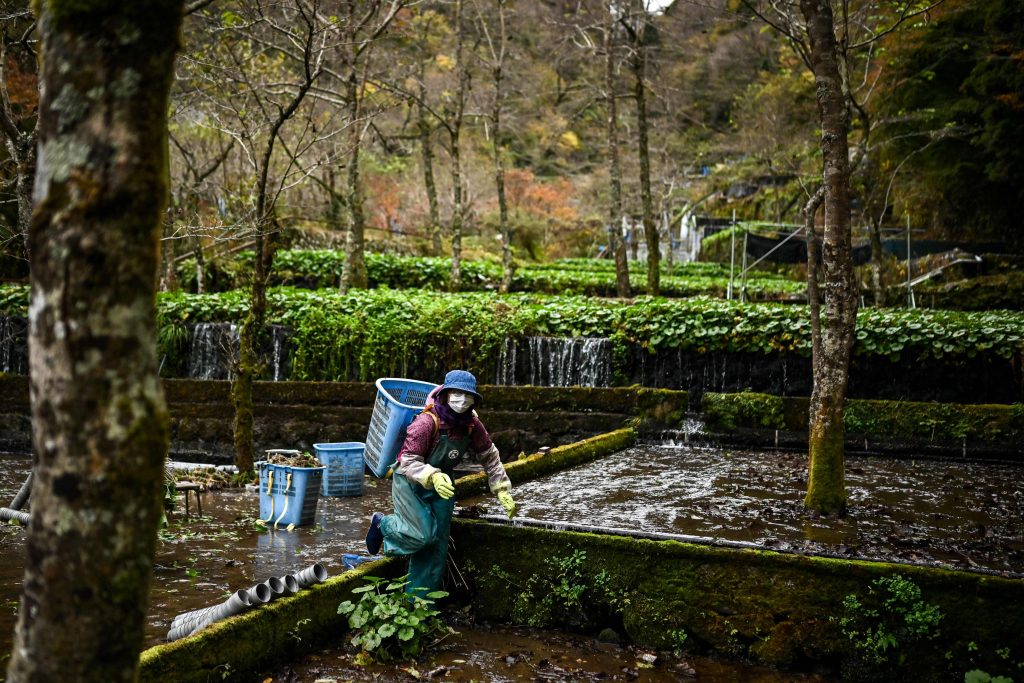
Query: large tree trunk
643,152
615,243
825,487
98,413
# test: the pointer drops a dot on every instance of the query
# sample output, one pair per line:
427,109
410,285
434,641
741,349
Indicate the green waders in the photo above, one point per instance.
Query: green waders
420,526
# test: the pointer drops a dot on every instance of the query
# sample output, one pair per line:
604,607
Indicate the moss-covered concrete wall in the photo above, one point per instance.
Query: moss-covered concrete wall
238,648
951,429
766,607
299,414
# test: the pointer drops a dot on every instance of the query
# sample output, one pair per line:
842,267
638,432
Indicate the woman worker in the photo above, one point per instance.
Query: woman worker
422,491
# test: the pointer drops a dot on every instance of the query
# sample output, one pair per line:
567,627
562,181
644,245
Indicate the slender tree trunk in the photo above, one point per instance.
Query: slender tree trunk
810,212
643,152
498,67
354,270
427,150
25,157
100,426
197,250
250,364
877,255
267,231
615,242
458,210
825,487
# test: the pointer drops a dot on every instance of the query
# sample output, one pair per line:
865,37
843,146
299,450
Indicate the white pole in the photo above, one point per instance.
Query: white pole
910,292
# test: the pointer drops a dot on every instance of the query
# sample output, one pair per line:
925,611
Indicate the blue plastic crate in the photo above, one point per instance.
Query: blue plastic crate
344,463
398,402
288,495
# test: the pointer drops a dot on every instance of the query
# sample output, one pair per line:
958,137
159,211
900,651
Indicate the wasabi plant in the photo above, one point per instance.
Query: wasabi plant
390,624
883,625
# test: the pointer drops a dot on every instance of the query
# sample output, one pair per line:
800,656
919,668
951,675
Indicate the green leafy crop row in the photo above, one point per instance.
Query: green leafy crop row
317,269
381,331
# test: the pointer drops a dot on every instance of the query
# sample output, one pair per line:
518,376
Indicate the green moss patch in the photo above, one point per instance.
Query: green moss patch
906,421
771,608
262,637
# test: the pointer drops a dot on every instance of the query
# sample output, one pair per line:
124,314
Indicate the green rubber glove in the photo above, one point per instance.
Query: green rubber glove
507,502
443,485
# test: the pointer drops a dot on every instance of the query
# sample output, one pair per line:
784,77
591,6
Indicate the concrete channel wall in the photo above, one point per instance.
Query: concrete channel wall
776,609
299,414
524,419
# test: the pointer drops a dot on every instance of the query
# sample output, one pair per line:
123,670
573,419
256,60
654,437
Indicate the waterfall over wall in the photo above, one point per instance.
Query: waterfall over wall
556,362
214,352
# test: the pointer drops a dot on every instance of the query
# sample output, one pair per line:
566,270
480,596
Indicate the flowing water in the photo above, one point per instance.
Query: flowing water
556,362
960,514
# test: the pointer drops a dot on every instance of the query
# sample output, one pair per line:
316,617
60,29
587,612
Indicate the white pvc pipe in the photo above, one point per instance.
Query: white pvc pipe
316,573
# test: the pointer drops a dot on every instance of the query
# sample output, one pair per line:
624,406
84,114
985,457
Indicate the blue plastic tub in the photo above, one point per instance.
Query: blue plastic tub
398,402
344,463
288,495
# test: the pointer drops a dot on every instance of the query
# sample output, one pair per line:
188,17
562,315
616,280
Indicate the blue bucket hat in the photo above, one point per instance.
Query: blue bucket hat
462,380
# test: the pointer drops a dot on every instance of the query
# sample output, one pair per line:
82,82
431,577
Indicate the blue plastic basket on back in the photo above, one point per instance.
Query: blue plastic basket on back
288,495
398,402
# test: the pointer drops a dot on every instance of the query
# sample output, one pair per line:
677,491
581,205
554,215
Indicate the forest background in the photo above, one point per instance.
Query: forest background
392,122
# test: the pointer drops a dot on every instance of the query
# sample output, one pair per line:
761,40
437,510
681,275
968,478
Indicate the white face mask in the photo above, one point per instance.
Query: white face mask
459,401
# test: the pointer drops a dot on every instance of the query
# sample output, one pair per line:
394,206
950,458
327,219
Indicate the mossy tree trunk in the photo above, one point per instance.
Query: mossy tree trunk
825,487
98,411
615,242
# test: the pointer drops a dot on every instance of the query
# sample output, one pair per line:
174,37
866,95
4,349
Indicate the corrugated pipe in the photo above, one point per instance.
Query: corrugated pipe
316,573
23,493
258,595
237,603
8,514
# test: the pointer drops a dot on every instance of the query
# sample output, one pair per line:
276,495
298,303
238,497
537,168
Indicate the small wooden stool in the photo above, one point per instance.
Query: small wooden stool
189,487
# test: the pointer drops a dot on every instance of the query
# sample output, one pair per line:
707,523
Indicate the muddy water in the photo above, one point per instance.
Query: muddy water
203,559
507,654
960,514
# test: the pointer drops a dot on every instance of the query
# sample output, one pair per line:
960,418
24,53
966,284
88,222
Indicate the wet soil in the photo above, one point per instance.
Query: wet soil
966,515
507,654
